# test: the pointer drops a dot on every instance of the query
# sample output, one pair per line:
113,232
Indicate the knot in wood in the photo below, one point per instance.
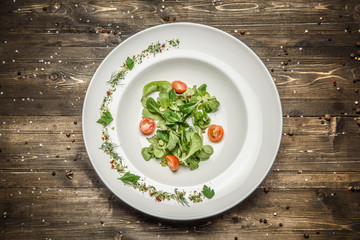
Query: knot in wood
54,76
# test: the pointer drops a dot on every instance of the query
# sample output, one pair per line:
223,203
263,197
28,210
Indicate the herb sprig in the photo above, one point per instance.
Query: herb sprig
108,146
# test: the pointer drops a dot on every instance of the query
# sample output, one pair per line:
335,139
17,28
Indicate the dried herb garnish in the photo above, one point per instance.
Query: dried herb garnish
108,146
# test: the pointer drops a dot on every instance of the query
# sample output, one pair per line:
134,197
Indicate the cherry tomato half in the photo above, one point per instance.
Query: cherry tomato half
215,133
172,162
179,86
147,126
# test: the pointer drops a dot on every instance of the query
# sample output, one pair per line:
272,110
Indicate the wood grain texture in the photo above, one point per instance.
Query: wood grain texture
49,51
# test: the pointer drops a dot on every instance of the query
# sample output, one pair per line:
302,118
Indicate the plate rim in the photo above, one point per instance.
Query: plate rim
274,90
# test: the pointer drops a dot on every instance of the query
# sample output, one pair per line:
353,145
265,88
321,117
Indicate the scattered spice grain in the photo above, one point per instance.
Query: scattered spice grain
69,174
266,189
327,117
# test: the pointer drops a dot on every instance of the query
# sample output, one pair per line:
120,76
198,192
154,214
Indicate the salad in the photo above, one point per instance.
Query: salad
180,116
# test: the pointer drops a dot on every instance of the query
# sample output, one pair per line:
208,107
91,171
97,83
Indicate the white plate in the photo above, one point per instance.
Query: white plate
250,113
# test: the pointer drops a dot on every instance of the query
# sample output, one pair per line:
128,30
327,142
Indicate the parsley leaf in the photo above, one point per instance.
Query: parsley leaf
129,63
129,178
208,192
105,119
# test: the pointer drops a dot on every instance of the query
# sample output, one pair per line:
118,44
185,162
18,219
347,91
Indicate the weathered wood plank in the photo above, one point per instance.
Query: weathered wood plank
253,39
89,179
149,13
242,220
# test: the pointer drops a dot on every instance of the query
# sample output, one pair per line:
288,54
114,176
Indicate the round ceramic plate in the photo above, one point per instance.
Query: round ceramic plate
250,113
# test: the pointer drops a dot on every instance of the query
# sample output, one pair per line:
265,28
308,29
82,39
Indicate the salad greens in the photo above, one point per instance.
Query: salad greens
173,112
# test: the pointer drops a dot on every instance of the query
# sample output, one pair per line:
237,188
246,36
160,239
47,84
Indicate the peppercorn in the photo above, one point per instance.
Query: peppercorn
285,69
19,73
299,171
265,221
285,63
53,173
357,110
26,142
358,44
358,122
44,8
68,147
291,132
75,122
266,189
272,70
68,134
260,220
306,235
352,55
242,31
317,232
358,52
72,140
287,207
280,224
327,117
356,90
57,155
354,81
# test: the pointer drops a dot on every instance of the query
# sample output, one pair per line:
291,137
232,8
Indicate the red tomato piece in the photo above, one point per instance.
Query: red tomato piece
215,133
172,162
179,86
147,126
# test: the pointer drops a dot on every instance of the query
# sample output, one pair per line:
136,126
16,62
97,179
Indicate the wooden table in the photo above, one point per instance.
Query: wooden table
49,51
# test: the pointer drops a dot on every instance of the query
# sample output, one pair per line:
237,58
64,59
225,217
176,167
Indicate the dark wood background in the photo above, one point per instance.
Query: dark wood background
49,51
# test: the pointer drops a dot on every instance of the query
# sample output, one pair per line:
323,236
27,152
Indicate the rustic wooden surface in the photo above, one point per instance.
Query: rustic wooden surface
49,51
